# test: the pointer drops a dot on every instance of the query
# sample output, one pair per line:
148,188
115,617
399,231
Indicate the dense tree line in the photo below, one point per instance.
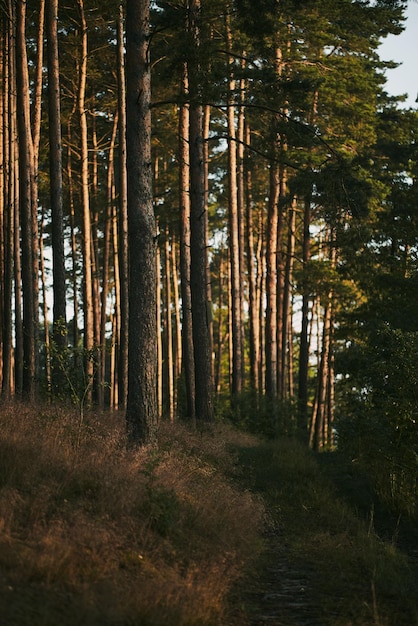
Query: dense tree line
275,211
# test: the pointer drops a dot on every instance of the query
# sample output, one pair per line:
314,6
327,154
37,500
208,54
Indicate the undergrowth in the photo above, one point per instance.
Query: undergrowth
356,576
93,534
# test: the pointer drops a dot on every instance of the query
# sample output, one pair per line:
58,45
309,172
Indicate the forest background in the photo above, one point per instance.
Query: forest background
284,194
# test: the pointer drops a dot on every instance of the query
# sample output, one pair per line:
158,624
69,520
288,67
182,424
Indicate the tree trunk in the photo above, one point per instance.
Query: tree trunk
237,366
141,412
198,278
29,289
303,372
87,243
253,302
123,221
184,199
169,326
177,319
56,189
271,283
8,202
287,303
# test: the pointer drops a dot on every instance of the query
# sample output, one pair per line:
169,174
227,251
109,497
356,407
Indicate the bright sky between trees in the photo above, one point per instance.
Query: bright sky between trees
403,49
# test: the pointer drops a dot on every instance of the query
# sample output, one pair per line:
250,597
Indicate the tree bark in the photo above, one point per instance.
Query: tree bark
237,366
271,283
184,199
198,278
123,221
29,289
87,243
56,187
141,411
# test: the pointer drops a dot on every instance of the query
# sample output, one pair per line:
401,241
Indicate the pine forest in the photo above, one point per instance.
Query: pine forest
209,214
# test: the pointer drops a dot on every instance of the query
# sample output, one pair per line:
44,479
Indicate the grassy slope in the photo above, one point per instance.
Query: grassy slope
92,534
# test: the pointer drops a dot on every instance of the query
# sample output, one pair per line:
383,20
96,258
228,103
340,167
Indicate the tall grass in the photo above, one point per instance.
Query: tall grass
354,576
93,534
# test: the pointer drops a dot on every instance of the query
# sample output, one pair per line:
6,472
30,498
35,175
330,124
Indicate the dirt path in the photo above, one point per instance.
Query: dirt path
281,597
326,561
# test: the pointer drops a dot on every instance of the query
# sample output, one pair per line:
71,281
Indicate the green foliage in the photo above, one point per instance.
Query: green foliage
257,414
379,415
350,574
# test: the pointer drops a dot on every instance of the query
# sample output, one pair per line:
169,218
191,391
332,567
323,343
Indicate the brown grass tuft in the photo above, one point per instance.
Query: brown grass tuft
88,529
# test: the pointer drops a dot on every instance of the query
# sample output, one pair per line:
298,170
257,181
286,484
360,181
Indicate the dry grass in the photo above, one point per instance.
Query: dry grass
93,534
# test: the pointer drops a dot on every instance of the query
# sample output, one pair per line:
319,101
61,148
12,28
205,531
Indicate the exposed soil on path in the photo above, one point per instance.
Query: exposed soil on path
281,596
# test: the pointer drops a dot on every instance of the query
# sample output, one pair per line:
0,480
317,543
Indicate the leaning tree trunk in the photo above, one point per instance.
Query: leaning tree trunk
141,411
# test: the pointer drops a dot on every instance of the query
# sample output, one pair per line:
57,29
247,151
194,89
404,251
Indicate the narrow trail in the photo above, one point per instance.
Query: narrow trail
333,555
281,596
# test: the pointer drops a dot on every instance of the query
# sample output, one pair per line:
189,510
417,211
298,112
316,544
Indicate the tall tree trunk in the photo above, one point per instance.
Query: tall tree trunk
184,199
85,200
141,412
48,365
177,319
56,188
116,318
303,372
160,358
123,221
74,254
254,335
271,283
280,288
30,313
169,326
8,204
198,278
107,238
287,302
234,236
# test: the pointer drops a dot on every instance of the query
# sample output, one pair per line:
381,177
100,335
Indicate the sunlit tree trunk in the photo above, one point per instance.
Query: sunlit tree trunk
160,358
287,342
169,327
177,319
8,202
237,365
123,220
29,272
85,200
271,283
253,301
184,199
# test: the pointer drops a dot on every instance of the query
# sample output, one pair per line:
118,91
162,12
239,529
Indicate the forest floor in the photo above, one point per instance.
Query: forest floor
334,555
208,529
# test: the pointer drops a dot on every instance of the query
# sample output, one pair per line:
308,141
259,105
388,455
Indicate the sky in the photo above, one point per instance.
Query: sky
403,49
